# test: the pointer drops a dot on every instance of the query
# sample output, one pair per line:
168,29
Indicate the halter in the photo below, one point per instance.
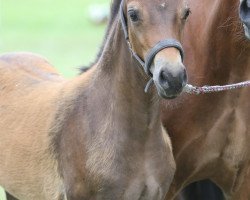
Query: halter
163,44
168,43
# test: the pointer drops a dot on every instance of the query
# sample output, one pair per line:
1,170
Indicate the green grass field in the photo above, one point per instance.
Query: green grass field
59,30
2,194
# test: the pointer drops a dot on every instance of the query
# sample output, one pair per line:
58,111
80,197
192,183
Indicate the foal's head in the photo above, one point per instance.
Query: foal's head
150,22
245,16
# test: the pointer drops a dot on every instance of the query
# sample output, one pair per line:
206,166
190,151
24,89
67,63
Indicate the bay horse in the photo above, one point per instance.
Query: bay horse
99,135
210,133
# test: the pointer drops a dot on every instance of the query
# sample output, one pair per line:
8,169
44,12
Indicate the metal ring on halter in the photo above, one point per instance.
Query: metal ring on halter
163,44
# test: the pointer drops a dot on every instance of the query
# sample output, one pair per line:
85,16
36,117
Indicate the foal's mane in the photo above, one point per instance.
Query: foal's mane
114,10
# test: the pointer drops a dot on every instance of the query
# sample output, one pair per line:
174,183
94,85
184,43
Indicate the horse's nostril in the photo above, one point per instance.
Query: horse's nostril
172,81
164,76
184,78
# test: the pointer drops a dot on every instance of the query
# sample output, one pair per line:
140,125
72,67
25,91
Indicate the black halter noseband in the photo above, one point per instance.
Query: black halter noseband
163,44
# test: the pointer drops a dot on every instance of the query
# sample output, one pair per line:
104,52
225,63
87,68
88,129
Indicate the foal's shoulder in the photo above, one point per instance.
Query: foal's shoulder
30,64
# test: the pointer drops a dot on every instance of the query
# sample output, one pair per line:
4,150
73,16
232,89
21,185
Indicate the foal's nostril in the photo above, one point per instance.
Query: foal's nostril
184,74
164,76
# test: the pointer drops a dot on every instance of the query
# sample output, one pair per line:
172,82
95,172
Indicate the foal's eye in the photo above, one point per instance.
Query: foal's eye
187,13
134,15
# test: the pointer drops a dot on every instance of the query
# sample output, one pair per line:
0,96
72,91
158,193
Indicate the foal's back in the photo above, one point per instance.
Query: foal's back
29,88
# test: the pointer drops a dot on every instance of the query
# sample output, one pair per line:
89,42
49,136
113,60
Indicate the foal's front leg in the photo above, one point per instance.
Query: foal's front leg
10,197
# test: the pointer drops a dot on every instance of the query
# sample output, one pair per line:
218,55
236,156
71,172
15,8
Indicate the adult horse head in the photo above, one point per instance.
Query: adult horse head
245,16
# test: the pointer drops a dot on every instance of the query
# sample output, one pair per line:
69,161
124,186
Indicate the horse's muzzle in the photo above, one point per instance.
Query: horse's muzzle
245,16
169,79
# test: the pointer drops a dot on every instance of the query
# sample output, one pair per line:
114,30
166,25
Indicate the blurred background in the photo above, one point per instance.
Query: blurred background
67,33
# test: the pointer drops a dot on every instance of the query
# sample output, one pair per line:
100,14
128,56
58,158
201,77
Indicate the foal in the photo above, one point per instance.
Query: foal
99,135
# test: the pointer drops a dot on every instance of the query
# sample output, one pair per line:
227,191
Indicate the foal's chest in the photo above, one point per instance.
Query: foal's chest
149,183
139,174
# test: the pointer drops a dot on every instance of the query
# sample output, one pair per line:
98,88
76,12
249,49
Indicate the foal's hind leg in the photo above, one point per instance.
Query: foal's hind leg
10,197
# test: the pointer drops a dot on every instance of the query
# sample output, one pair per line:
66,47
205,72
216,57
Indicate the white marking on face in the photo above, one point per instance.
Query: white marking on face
163,5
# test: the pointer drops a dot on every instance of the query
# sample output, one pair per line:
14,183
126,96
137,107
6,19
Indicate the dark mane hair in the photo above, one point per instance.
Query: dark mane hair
114,10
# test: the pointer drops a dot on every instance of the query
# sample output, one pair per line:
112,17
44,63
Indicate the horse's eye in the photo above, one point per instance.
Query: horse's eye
134,15
187,13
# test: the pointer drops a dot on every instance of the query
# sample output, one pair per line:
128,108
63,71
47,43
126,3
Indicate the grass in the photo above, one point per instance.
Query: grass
2,194
59,30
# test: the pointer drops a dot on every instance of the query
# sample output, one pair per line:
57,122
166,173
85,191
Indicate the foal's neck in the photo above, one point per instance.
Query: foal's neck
106,119
118,85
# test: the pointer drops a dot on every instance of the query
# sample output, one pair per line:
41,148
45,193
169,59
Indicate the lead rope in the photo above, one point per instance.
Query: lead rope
190,89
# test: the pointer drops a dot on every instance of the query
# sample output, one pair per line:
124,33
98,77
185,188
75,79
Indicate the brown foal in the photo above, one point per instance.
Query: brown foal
99,135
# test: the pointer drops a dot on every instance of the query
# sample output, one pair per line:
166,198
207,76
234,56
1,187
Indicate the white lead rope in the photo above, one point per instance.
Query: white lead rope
190,89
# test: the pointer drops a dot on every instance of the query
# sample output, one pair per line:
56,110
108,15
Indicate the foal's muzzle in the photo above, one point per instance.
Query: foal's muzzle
169,78
245,16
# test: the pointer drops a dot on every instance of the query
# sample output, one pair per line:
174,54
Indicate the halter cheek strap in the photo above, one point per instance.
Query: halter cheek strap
163,44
